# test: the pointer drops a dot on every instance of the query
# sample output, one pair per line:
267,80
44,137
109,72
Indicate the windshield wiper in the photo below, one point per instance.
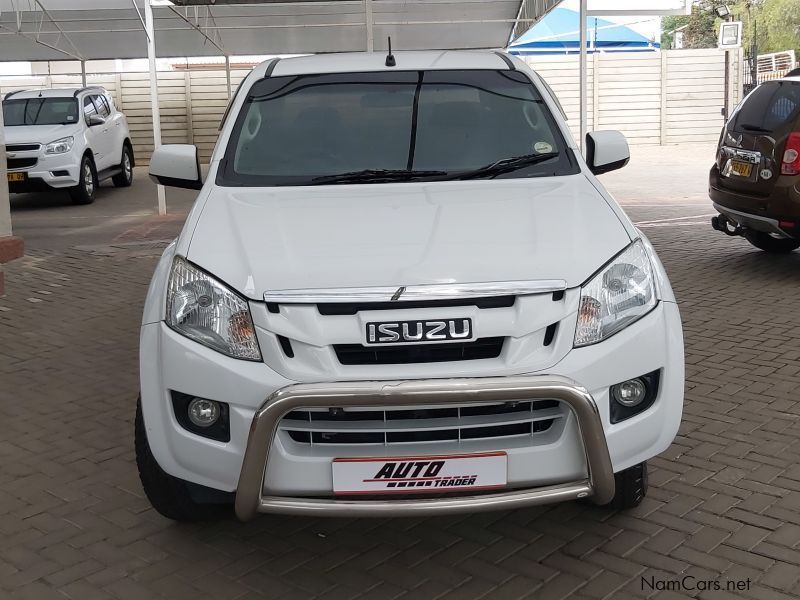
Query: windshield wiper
375,176
505,165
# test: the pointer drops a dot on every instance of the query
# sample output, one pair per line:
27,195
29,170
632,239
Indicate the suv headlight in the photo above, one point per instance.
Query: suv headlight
621,293
59,146
207,311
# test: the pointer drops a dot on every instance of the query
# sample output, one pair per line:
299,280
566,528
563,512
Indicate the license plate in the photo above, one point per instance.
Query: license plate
741,168
16,176
414,474
419,332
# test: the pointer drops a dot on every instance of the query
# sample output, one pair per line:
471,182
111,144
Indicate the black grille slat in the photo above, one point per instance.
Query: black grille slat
21,163
352,308
356,354
435,424
22,147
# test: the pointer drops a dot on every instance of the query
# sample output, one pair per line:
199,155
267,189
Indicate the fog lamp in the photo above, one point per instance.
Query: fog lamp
202,412
629,393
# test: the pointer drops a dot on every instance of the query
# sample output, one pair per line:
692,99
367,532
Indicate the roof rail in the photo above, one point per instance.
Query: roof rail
792,73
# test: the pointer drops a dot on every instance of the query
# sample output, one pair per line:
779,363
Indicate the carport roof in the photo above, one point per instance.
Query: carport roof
33,30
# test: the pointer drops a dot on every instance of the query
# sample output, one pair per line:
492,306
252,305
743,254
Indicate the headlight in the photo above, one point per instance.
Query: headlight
205,310
59,146
623,292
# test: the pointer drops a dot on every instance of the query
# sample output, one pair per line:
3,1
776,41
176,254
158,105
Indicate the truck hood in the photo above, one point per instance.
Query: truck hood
42,134
402,234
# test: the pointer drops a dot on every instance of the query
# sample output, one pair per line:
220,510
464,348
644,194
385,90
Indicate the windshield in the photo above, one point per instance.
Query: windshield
393,126
769,107
40,111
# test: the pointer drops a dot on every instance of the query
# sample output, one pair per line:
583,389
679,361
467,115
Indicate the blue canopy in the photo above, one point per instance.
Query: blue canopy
559,33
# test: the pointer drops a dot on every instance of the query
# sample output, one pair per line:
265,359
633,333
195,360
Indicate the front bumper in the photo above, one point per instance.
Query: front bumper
557,468
53,171
599,483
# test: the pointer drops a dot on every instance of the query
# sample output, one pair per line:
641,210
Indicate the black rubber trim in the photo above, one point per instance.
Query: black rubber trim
550,333
9,94
271,68
506,59
178,183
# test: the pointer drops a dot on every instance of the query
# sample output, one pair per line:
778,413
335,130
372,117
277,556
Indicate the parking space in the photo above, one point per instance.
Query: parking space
724,503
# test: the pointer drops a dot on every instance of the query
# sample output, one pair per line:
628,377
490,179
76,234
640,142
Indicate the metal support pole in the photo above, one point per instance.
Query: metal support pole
83,73
5,206
228,74
726,108
583,70
370,25
151,57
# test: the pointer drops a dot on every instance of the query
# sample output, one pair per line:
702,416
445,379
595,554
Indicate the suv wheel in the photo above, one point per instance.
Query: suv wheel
170,496
125,177
83,193
768,243
631,487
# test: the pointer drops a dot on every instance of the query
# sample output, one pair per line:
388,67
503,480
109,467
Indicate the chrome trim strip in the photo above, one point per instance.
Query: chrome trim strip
599,484
434,291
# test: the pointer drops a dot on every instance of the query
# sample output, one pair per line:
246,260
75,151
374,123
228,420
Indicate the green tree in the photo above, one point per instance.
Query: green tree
700,29
779,26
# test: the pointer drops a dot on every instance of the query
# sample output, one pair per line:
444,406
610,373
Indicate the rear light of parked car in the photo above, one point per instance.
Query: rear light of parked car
791,155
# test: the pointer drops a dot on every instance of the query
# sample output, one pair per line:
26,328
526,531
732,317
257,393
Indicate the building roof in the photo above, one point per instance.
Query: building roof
105,29
559,32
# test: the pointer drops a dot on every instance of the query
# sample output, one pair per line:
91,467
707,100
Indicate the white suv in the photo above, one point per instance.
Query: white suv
402,290
66,139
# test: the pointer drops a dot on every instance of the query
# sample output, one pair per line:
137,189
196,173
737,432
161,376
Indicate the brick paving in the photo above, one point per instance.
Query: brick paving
724,503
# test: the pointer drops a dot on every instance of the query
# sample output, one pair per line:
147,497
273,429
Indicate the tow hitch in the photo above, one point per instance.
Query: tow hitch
723,224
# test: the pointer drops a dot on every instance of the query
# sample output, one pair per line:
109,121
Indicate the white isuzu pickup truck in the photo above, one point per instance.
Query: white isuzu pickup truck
402,291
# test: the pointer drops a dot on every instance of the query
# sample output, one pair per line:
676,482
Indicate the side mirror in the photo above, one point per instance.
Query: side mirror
96,120
606,151
176,165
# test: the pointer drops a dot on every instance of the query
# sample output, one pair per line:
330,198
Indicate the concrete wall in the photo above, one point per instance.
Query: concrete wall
654,98
668,97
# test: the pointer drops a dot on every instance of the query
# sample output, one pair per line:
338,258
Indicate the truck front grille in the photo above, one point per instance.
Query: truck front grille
21,163
356,354
22,147
388,426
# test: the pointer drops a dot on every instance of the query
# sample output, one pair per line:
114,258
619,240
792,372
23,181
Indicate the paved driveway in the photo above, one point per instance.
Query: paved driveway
724,504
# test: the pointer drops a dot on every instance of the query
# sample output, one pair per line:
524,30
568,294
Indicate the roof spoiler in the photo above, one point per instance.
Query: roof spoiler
9,94
87,88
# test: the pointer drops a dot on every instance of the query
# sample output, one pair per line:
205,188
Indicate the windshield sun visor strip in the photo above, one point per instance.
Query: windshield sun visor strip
507,60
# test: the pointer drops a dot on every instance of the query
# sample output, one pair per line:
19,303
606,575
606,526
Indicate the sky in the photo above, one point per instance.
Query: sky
647,26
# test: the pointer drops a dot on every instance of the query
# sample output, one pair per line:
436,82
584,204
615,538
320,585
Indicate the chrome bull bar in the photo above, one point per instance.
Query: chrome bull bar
599,485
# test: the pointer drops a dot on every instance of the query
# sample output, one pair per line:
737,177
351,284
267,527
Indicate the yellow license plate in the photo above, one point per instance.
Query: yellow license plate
16,176
742,169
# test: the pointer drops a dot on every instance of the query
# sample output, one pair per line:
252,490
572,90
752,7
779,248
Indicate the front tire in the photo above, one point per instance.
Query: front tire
84,192
631,487
125,177
170,496
773,245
